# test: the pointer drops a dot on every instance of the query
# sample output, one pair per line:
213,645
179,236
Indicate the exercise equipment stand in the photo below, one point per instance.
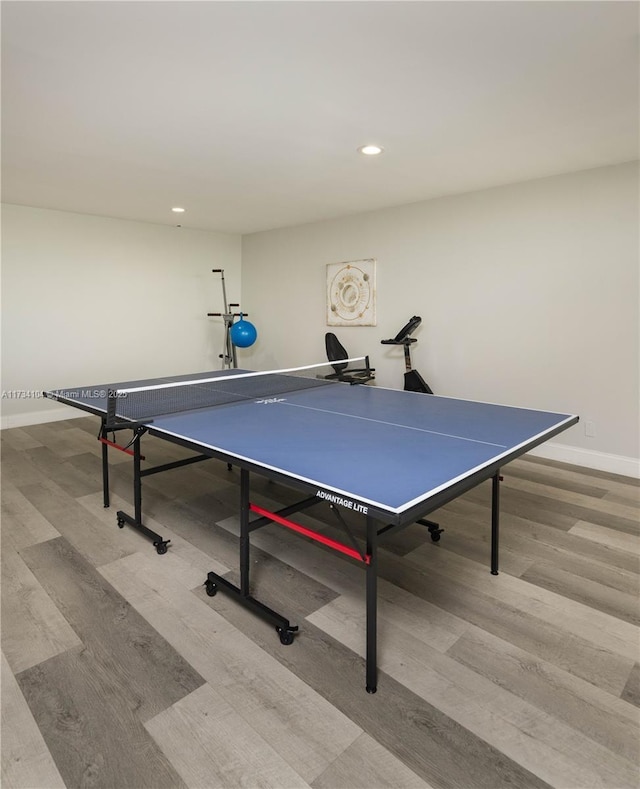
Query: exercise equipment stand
413,381
228,355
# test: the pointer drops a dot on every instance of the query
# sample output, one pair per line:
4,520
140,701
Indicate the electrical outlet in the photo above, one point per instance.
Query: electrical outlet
589,429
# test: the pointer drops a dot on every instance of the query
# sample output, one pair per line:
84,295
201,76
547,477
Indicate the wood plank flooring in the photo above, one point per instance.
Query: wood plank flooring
119,672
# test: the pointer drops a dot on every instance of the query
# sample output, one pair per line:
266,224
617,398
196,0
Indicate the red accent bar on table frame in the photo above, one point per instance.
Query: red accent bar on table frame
117,446
314,535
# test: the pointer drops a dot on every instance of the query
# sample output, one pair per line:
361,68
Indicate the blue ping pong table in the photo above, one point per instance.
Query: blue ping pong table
392,456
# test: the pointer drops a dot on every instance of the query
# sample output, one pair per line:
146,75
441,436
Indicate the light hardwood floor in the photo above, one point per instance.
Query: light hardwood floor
119,672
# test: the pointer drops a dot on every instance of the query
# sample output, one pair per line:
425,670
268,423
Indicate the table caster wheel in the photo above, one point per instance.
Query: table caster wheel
286,636
161,547
210,588
121,523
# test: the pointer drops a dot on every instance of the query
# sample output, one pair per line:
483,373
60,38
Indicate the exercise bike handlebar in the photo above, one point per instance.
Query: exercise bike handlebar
222,314
402,337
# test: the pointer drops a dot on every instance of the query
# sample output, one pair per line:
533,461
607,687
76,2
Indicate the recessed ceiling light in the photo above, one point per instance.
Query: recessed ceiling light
370,150
178,210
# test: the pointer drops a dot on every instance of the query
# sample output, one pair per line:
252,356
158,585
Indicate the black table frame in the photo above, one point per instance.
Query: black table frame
393,522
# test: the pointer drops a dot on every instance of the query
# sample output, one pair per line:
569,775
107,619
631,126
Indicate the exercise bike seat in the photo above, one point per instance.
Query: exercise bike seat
339,359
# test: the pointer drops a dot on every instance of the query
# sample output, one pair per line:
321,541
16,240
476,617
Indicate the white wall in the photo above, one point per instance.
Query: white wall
89,300
528,294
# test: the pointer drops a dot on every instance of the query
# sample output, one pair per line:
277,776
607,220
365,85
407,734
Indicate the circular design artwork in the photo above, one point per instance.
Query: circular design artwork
350,293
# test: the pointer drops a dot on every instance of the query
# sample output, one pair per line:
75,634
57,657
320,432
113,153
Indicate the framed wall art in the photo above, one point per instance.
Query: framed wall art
351,293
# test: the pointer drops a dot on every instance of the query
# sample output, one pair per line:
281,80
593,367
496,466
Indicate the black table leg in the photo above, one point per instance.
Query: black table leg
105,465
242,594
372,606
245,546
495,521
136,522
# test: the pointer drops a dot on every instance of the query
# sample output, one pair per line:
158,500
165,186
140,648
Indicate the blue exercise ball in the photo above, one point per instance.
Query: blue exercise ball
243,333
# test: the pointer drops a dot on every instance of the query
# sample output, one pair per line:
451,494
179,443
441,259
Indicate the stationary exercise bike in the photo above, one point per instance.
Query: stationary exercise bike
413,381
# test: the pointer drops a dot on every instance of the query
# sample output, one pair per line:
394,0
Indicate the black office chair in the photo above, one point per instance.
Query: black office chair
337,355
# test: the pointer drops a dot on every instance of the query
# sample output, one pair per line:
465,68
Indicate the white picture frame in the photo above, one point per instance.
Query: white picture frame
351,293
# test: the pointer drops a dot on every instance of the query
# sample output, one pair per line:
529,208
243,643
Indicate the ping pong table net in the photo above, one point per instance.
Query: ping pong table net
144,403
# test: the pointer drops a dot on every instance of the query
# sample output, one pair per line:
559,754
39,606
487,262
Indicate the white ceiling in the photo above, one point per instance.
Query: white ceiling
249,114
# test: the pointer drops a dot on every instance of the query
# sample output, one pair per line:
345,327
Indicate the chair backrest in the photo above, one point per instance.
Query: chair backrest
335,352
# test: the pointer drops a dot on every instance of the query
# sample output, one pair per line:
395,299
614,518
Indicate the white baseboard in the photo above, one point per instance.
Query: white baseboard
588,458
576,456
